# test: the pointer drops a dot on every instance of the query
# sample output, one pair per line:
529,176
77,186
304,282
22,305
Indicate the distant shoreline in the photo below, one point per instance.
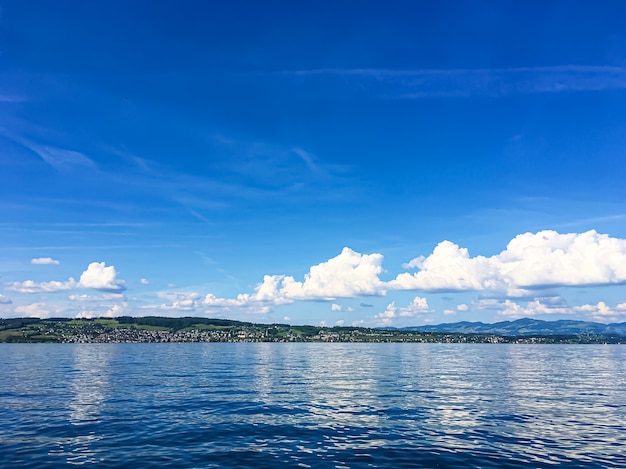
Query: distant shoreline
153,329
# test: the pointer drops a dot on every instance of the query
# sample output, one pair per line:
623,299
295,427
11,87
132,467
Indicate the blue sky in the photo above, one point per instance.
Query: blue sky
370,163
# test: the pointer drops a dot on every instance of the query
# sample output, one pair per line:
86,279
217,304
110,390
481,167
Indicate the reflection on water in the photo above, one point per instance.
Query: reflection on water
313,405
90,383
89,388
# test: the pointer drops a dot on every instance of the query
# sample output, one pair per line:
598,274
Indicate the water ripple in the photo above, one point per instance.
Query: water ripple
312,405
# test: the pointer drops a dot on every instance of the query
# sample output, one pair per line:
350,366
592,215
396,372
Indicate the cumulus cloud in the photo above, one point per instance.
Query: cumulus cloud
602,312
5,300
515,310
97,276
144,281
340,323
100,277
241,300
116,310
347,275
387,316
44,261
417,306
29,286
530,261
86,315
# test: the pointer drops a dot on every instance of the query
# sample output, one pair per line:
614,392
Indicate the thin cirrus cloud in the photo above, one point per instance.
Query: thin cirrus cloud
465,83
97,276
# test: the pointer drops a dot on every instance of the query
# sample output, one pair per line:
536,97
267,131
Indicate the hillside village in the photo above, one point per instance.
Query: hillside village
157,329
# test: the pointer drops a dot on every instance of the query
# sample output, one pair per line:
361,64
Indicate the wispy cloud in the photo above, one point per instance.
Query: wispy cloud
60,159
5,300
486,82
12,98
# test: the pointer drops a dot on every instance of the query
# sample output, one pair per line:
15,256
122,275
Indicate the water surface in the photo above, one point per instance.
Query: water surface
312,405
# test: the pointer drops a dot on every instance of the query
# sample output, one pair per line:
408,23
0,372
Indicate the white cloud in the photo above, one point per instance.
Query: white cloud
417,306
286,318
28,286
340,323
514,310
387,316
33,310
116,310
530,261
44,261
97,276
86,315
100,277
347,275
242,301
601,312
103,297
144,281
449,312
5,300
178,301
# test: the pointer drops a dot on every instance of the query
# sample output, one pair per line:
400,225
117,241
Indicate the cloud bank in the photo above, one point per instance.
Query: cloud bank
530,261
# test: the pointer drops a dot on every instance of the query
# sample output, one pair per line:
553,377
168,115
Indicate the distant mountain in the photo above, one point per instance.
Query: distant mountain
527,326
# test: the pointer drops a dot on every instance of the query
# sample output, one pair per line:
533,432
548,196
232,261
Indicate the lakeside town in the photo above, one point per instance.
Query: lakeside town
163,330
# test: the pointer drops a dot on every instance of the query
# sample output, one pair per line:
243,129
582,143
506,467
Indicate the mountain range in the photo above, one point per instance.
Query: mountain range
526,326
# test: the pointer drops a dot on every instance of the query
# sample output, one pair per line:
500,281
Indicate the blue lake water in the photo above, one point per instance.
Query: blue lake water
312,405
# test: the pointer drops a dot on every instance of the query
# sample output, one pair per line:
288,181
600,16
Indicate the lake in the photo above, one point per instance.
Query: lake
336,405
